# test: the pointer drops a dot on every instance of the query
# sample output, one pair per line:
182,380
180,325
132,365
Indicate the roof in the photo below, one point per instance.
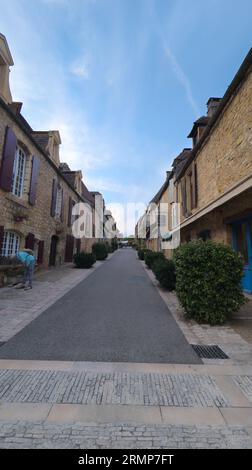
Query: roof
163,188
19,120
42,138
181,161
16,107
239,78
5,51
201,122
86,194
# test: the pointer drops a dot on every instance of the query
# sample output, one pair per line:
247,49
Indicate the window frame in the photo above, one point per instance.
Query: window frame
8,234
18,176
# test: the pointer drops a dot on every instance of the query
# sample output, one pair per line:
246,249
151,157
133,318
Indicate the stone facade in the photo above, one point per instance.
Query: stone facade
37,191
213,180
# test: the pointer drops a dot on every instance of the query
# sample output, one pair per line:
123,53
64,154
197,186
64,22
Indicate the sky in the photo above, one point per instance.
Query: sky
122,80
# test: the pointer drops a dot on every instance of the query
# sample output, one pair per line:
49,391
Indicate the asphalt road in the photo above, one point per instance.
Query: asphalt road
115,315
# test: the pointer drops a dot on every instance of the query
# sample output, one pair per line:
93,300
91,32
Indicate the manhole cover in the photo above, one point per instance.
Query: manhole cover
209,352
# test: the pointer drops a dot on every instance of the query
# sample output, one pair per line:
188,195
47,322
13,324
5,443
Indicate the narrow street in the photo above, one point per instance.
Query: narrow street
115,315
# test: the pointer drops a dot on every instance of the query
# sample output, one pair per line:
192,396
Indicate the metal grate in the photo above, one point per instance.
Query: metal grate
209,352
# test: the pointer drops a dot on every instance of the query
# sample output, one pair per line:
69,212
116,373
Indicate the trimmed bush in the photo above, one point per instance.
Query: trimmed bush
141,254
208,280
114,244
151,256
84,260
100,251
164,271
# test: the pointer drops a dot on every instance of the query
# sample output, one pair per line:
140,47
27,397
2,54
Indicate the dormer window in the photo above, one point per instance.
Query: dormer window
18,173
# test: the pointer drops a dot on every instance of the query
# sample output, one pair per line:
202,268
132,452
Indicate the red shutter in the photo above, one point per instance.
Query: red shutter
40,251
8,158
34,180
1,237
54,196
62,206
69,248
29,241
70,208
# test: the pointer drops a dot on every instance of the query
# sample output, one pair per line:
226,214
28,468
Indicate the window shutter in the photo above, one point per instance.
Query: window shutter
70,207
183,190
34,180
62,206
40,251
29,241
69,248
8,158
1,237
54,197
194,186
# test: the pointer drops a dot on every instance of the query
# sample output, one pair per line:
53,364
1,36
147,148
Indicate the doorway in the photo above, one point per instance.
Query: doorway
53,250
242,241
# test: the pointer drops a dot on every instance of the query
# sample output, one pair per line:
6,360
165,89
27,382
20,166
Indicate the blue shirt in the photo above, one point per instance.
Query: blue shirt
26,258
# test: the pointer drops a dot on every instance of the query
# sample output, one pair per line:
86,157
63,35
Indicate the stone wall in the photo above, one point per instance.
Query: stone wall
226,156
39,221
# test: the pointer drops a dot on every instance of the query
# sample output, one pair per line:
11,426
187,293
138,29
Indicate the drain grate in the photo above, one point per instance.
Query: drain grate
209,352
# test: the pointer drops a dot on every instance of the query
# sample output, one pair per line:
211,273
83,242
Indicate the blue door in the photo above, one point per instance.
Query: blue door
242,241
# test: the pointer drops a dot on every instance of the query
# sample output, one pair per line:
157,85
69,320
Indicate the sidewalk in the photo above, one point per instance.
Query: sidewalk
18,307
58,404
234,338
113,405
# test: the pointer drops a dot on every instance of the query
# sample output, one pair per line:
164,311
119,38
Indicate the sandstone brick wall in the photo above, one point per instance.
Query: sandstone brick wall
39,221
226,157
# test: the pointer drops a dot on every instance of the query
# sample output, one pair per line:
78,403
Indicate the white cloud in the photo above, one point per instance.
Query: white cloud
183,79
81,71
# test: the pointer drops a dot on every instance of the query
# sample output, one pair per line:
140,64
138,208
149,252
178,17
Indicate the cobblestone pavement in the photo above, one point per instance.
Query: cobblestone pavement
22,434
182,390
245,383
18,307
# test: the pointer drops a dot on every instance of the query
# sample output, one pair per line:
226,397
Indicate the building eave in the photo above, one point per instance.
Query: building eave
239,78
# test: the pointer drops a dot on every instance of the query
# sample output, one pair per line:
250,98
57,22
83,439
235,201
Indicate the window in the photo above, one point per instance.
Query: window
171,191
205,235
11,242
175,215
18,173
58,202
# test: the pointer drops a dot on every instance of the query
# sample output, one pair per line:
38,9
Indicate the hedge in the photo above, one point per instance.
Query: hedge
100,251
208,280
151,256
164,271
84,260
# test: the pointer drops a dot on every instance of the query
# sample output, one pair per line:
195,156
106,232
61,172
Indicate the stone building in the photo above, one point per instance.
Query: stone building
212,181
37,192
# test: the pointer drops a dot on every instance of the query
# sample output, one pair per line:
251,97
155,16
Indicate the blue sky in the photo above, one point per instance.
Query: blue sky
122,80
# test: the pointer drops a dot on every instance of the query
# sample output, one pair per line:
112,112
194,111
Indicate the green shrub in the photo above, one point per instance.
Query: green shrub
151,256
164,271
208,280
100,251
84,260
141,254
114,244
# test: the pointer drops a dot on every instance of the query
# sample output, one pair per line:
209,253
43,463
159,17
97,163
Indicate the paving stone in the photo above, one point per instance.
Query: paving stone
182,390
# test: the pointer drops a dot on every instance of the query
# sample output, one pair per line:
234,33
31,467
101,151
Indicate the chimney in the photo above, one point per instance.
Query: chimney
5,62
212,105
